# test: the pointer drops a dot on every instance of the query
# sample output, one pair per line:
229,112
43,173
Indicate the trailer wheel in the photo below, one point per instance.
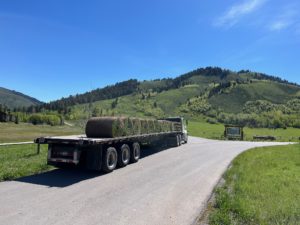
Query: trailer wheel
123,155
135,152
110,159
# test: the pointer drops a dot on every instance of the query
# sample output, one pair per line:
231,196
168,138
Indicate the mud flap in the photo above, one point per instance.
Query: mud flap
94,158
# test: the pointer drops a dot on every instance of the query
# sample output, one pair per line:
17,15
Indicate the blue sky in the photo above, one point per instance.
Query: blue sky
50,49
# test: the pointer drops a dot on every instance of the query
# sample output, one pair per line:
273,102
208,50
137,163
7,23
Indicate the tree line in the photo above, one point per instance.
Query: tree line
62,105
6,115
158,85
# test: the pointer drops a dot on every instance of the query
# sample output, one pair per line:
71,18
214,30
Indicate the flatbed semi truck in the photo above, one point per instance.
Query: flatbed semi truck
105,154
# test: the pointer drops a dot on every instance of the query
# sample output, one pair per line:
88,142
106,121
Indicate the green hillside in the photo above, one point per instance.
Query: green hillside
151,104
212,94
171,102
204,77
245,98
13,99
233,100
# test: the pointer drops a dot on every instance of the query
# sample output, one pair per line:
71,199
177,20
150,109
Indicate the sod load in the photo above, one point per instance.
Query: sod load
111,127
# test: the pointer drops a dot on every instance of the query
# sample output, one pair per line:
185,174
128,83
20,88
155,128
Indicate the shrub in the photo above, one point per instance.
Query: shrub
51,119
36,119
211,120
199,105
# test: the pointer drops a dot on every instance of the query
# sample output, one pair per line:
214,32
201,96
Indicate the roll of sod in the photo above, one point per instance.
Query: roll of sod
105,127
110,127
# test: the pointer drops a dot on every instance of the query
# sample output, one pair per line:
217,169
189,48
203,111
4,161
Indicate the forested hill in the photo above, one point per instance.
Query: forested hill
214,94
13,99
201,76
108,92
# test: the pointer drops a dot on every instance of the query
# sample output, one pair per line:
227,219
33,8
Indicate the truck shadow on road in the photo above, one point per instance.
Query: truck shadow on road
60,177
69,176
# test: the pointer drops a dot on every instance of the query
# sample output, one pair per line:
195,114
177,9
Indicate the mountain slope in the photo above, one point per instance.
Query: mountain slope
180,100
215,94
203,77
234,99
247,98
13,99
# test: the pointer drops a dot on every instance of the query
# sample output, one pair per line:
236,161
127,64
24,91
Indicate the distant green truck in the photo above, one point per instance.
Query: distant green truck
234,132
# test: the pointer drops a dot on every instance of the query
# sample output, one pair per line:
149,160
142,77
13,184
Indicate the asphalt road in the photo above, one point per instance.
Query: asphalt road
164,187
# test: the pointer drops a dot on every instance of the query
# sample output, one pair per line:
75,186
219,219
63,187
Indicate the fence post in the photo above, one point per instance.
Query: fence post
38,148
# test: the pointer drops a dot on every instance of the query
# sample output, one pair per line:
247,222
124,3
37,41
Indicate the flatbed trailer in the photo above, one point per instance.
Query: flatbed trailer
105,153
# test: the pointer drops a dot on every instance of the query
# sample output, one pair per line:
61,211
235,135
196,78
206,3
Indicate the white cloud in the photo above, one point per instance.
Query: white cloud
287,19
280,25
237,11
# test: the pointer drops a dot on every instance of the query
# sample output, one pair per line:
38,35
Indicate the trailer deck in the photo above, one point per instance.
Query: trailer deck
84,140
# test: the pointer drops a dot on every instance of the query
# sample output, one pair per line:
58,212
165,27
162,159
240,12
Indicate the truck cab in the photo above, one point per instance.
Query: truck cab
182,127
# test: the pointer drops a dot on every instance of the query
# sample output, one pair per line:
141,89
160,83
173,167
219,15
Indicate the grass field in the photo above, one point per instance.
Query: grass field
205,130
21,160
10,132
262,187
215,131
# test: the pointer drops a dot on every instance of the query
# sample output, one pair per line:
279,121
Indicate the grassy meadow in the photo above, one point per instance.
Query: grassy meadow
262,187
10,132
22,160
216,131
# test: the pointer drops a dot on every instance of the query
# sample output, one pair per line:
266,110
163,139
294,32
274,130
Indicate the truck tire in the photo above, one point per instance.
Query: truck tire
135,152
178,140
110,159
123,155
186,139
